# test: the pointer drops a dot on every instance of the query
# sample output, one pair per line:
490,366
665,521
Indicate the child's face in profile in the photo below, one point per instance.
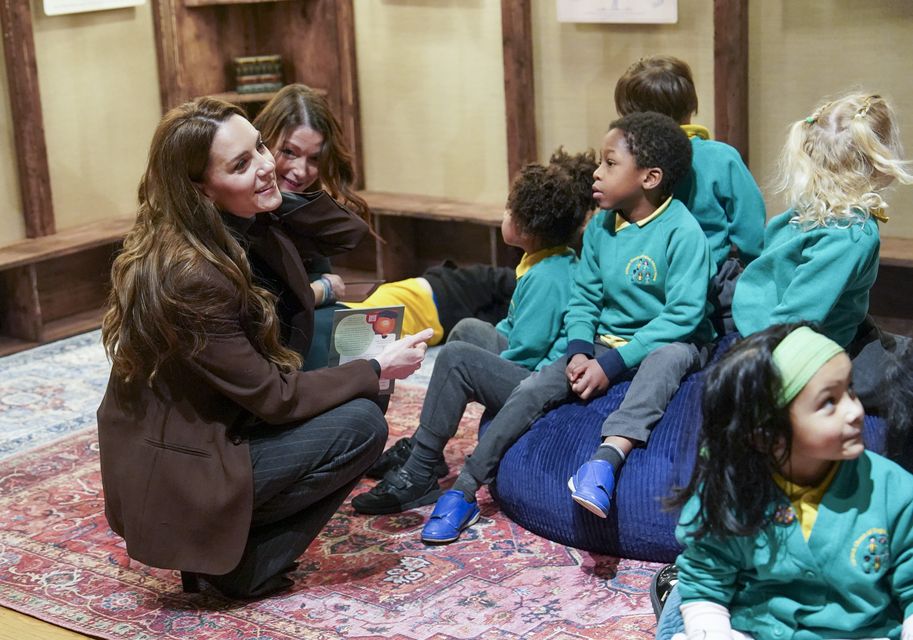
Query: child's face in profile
618,181
826,417
511,233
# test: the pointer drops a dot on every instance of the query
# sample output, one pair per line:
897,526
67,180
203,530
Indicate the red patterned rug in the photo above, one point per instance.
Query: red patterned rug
364,577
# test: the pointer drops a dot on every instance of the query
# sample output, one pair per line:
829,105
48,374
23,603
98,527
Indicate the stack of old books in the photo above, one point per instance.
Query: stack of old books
258,74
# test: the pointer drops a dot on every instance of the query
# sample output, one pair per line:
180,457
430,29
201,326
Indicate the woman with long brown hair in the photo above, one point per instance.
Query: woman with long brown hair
312,157
218,456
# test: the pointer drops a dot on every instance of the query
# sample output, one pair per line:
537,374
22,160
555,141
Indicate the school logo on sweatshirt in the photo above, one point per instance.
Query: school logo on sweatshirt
641,270
871,551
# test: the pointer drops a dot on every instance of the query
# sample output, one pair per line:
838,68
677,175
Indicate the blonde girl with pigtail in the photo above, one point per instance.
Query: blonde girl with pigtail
820,257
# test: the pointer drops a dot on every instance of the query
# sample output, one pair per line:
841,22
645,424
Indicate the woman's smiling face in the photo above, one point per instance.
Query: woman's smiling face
240,176
298,160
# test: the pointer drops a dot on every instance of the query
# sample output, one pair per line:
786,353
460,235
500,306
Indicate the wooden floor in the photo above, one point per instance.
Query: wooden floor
15,626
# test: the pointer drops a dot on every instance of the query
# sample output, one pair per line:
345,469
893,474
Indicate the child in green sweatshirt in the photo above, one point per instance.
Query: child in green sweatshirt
820,257
719,190
487,362
638,302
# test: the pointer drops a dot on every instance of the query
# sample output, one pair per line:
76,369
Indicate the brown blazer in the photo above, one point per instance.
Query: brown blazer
176,469
306,229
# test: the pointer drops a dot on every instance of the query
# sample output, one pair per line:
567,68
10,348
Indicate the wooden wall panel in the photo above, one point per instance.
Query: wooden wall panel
28,125
519,96
730,73
316,39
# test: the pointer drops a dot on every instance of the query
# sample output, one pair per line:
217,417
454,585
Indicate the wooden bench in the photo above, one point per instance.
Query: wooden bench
56,286
417,231
897,252
891,302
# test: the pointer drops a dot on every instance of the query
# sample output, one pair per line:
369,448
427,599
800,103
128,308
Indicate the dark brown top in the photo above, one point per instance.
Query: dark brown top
175,465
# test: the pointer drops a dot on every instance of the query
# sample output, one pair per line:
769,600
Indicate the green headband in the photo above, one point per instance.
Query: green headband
798,357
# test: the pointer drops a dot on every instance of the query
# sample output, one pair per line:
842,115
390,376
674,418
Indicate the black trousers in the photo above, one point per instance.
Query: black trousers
302,474
883,380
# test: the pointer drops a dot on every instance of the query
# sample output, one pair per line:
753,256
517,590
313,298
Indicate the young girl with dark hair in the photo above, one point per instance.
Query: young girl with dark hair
791,528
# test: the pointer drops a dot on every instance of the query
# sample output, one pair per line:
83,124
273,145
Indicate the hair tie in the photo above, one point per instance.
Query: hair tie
798,357
812,119
864,109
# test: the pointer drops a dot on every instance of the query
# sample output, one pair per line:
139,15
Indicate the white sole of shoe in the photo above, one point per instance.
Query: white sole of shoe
593,508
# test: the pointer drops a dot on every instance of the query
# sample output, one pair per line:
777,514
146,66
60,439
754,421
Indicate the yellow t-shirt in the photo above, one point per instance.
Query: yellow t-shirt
418,298
805,500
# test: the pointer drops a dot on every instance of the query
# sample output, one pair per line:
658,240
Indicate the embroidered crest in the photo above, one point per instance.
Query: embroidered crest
641,270
871,551
784,514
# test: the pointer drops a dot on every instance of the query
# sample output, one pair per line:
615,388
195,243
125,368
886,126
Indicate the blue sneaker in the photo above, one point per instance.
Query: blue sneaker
450,516
591,487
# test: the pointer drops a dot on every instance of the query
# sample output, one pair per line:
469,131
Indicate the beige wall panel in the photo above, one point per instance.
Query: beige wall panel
803,51
12,226
100,100
577,65
430,76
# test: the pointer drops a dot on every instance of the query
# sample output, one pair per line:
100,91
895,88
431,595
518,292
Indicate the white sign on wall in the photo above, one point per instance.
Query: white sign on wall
626,11
60,7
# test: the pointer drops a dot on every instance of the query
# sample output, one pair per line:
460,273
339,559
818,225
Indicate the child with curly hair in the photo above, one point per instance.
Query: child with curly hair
641,285
487,363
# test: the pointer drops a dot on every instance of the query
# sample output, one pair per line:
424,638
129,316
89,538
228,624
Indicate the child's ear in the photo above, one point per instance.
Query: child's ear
653,178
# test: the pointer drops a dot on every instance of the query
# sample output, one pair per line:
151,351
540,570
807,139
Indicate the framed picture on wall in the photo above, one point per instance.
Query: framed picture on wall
618,11
61,7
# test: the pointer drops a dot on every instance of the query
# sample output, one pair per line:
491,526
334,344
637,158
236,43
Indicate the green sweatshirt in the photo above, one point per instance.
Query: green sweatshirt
724,198
534,326
852,578
643,284
821,275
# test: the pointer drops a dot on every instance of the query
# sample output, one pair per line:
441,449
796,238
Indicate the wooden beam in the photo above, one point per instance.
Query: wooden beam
348,86
730,73
28,124
519,97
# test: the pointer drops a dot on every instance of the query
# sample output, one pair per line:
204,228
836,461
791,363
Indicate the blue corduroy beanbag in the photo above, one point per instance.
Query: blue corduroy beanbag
531,485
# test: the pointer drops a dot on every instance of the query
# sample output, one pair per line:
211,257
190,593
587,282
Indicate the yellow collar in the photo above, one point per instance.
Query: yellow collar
621,223
797,492
696,131
530,259
879,214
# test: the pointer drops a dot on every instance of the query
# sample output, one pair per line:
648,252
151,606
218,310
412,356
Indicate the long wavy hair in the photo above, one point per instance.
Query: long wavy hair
838,161
153,316
745,437
297,105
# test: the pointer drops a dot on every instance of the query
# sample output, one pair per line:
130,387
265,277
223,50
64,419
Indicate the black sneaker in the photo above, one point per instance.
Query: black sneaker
396,492
661,585
395,457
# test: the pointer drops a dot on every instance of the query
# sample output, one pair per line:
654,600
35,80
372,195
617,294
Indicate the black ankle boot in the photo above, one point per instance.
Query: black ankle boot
190,582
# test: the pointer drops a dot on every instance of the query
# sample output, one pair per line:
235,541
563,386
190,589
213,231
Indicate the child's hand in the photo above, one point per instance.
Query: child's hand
575,367
591,381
